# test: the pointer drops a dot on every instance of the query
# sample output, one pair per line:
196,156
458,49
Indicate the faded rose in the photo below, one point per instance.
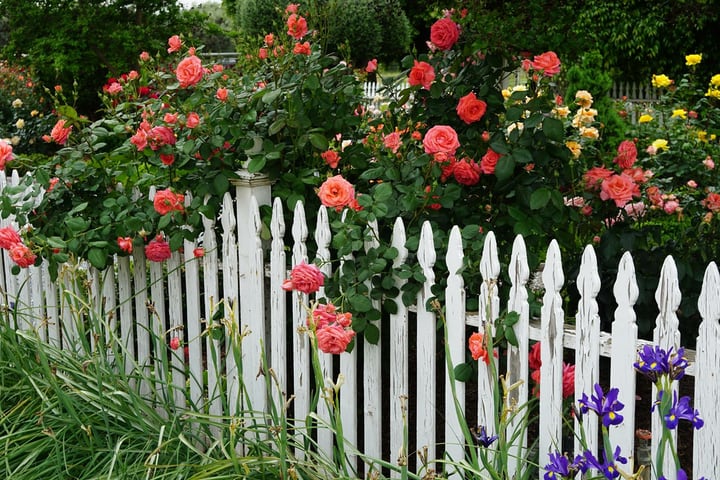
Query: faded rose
594,177
159,136
467,172
305,278
712,202
189,71
336,192
627,154
470,109
334,339
441,139
392,141
9,237
302,48
167,201
158,250
476,344
422,73
125,244
548,62
174,44
22,255
444,33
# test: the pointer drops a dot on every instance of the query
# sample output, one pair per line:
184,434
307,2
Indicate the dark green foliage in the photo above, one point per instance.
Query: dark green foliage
357,28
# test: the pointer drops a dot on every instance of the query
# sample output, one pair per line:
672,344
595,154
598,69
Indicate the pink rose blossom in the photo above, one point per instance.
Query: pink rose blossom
709,163
22,255
9,237
158,250
174,43
192,120
441,138
125,244
671,206
371,66
6,153
305,278
144,56
334,339
392,141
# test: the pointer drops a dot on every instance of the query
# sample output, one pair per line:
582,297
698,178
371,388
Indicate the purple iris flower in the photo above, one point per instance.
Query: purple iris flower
681,475
560,466
654,361
606,406
483,438
608,466
681,410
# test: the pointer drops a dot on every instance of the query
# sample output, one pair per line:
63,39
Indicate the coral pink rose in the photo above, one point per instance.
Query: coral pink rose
322,316
189,71
476,344
60,133
336,192
160,136
627,154
22,255
174,44
174,343
470,109
331,157
441,139
6,153
489,161
392,141
422,73
444,33
125,244
262,53
9,237
619,188
167,158
157,250
198,252
568,380
305,278
594,177
144,56
221,94
548,62
292,8
535,357
334,339
269,39
302,48
167,201
712,202
192,120
297,26
467,172
371,66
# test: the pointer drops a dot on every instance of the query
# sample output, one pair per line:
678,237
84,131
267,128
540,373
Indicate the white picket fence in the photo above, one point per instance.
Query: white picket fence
144,301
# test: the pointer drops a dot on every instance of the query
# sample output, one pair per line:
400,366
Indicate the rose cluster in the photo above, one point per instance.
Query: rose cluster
19,253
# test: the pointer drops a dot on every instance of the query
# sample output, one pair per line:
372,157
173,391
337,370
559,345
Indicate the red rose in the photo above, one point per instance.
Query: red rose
534,357
489,161
157,250
167,158
441,138
125,244
305,278
548,62
331,157
334,339
444,33
627,154
467,172
22,255
157,137
568,380
166,201
422,73
470,109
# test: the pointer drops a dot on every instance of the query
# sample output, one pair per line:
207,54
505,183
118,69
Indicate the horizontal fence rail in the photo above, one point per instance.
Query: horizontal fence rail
236,287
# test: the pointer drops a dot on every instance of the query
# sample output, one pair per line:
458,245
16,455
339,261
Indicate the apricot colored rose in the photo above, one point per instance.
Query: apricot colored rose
302,48
157,250
712,202
305,278
167,201
422,73
476,344
619,188
627,154
441,139
174,44
467,172
60,133
189,71
160,136
392,141
192,120
548,62
125,244
22,255
297,26
331,157
6,153
334,339
470,109
594,177
336,192
444,33
9,237
489,161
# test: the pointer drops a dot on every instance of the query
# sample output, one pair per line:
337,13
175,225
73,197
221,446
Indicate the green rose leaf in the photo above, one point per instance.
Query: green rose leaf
522,156
372,333
553,129
360,303
319,141
540,198
97,258
463,372
504,168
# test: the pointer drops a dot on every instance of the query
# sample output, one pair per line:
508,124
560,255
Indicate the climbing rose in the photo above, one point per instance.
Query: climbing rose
489,161
470,109
302,48
336,192
221,94
627,154
167,158
444,33
6,153
189,71
467,172
9,237
192,120
371,65
305,278
422,73
125,244
548,62
712,202
534,357
297,26
441,139
476,344
174,43
392,141
157,250
167,201
619,188
334,339
198,252
595,176
331,157
60,133
22,255
159,136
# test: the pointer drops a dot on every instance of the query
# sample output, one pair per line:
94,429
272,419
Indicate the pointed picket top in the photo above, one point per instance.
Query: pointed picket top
227,218
552,275
489,303
489,262
518,269
398,241
323,237
588,280
626,289
707,359
255,226
426,252
277,222
668,299
455,255
299,234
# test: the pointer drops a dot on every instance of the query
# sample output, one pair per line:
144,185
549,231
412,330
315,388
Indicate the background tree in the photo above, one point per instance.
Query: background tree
84,42
216,32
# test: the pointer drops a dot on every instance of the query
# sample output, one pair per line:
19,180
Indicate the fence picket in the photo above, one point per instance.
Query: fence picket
176,324
667,335
622,373
707,361
278,302
372,374
211,291
489,309
194,355
231,297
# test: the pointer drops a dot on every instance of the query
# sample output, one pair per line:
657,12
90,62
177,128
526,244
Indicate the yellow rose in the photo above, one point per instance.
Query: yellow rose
584,98
505,93
693,59
17,103
34,113
661,81
645,118
715,80
713,92
589,132
679,113
574,147
20,124
561,112
702,135
660,144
